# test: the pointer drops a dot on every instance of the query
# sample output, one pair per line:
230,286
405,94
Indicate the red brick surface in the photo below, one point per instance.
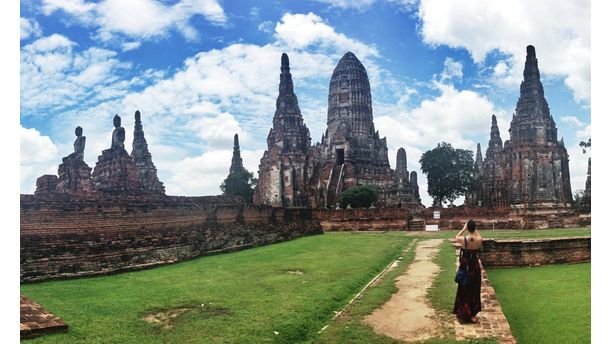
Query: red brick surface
35,320
71,237
501,253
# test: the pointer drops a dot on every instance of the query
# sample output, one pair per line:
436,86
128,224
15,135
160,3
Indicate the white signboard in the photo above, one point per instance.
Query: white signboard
431,228
436,214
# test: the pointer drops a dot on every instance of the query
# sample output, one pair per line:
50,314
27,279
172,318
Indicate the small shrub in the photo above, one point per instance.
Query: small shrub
361,196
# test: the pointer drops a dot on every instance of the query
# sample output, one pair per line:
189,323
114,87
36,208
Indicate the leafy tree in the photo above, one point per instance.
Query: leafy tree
449,172
578,195
585,145
361,196
241,184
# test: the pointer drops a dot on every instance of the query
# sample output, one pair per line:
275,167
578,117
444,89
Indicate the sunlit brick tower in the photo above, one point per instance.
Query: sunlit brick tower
352,152
142,159
537,163
285,165
531,170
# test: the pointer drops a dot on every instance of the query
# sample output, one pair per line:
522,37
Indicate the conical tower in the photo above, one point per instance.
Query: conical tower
352,151
236,159
142,158
283,169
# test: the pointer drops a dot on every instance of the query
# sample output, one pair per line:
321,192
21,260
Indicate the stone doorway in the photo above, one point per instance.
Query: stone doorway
339,156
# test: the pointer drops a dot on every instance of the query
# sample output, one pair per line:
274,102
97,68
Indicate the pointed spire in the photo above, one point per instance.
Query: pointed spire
478,161
400,161
236,159
531,102
495,138
142,158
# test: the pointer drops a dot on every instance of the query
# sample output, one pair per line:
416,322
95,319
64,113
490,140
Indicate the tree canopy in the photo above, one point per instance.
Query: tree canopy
362,196
449,172
241,184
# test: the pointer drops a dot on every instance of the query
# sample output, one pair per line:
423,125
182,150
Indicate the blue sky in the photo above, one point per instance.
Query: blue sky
201,70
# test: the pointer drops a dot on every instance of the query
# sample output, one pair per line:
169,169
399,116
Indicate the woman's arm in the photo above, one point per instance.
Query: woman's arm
459,235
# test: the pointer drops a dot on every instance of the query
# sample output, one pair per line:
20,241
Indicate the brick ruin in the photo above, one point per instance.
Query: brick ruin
116,171
531,169
293,173
65,236
236,166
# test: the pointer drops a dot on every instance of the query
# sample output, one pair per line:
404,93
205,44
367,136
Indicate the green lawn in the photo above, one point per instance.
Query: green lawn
547,304
291,288
246,295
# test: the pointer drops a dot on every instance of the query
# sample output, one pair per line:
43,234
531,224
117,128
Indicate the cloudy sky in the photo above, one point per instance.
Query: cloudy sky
201,70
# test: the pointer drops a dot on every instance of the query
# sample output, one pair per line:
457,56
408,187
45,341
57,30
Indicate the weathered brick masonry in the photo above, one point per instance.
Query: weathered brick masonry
501,253
64,236
389,219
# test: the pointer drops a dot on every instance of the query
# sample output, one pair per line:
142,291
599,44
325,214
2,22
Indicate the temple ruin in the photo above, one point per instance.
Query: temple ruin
293,173
115,173
531,169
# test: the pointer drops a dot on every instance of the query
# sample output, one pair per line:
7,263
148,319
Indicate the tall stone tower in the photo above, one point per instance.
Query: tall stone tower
473,197
405,187
494,188
352,153
531,170
142,159
538,164
236,165
284,167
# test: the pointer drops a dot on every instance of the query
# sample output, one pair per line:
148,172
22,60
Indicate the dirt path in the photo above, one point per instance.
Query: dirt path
408,315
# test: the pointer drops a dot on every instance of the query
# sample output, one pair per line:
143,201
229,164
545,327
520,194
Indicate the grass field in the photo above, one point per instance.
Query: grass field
291,288
547,304
282,293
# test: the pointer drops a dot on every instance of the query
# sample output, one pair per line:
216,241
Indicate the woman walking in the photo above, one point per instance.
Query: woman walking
467,301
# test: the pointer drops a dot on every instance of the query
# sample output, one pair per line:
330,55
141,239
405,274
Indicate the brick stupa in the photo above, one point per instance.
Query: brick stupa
142,159
115,171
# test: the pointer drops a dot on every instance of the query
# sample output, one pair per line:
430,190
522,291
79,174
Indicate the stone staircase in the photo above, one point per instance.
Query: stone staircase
333,185
416,225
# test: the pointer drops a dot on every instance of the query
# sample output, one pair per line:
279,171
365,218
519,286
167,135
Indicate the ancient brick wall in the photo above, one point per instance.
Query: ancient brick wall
505,253
380,219
389,219
70,237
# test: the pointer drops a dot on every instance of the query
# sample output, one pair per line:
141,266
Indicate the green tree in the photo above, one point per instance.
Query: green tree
362,196
577,202
240,184
449,172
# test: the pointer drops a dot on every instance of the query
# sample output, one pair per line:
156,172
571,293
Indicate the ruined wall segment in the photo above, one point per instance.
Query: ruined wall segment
65,236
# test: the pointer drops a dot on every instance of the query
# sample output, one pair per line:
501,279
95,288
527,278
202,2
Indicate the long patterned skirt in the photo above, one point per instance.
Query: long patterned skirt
467,301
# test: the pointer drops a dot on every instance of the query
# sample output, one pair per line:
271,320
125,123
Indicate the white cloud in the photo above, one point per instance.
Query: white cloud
560,31
584,133
266,26
452,69
572,121
300,31
202,175
363,5
130,46
54,77
29,28
38,156
355,4
138,19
